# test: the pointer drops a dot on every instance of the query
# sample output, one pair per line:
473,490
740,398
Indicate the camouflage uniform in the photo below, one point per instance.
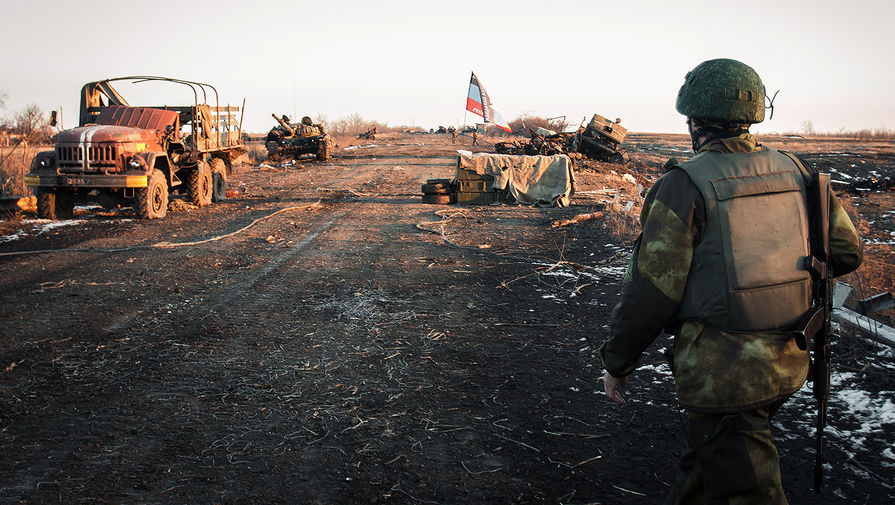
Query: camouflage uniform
730,382
475,138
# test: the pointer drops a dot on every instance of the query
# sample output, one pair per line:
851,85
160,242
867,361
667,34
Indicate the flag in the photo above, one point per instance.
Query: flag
478,102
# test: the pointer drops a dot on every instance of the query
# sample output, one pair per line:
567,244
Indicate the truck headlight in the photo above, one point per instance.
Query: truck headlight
137,161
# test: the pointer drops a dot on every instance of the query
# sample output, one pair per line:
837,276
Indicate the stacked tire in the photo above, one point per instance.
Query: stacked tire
439,192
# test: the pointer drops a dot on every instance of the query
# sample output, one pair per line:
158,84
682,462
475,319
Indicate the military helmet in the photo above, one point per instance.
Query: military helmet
722,89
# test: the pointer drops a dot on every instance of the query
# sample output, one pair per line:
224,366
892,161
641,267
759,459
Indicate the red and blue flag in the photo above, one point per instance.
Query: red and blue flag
478,102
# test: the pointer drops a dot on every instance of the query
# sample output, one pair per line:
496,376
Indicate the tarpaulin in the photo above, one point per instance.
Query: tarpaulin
530,180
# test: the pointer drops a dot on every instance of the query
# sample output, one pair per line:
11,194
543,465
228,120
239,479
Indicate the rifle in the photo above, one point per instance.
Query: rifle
815,326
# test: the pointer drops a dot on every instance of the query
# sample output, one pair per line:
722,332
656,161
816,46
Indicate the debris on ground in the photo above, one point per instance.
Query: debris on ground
600,140
578,218
370,134
18,204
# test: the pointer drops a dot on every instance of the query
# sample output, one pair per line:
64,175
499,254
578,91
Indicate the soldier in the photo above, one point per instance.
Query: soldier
719,264
454,137
475,137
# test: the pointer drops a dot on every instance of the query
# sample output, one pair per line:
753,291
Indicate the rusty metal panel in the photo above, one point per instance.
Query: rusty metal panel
137,117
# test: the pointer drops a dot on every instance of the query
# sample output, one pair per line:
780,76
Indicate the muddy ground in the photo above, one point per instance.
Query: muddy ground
324,337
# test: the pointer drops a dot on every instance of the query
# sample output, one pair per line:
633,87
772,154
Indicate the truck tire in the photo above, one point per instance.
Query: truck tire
55,204
46,204
218,180
200,185
151,202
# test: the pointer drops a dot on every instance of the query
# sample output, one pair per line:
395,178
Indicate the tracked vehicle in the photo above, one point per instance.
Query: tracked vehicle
128,155
293,140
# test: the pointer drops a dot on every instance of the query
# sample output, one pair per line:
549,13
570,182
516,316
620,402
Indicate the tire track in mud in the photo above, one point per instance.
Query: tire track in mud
200,315
209,306
243,304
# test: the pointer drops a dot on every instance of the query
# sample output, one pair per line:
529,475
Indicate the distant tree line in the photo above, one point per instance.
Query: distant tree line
527,122
881,133
29,125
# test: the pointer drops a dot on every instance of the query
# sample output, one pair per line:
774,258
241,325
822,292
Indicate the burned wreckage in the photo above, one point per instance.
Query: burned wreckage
293,140
601,140
124,154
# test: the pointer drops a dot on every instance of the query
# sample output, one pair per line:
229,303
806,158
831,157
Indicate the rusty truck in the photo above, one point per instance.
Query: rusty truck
121,155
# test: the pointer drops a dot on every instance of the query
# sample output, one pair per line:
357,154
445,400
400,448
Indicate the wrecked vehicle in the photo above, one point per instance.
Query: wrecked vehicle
542,143
600,140
121,154
293,140
370,134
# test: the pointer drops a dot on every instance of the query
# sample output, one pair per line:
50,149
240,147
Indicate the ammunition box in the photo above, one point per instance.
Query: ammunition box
462,174
473,185
477,197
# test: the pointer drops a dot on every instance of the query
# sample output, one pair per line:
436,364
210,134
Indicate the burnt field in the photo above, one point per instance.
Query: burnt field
324,337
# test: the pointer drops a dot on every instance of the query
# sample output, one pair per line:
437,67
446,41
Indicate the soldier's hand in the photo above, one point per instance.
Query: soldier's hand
611,385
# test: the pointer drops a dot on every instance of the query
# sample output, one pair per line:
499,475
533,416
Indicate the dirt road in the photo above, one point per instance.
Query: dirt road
324,337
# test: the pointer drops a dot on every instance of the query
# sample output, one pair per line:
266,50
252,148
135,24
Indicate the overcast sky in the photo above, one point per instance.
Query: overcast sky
408,62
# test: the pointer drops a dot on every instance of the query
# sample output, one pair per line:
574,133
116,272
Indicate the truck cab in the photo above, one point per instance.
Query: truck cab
138,155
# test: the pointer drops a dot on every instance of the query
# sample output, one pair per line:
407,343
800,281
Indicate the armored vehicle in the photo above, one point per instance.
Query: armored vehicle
123,154
602,140
292,140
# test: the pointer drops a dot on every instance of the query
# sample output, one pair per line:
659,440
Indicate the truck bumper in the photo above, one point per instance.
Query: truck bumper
86,181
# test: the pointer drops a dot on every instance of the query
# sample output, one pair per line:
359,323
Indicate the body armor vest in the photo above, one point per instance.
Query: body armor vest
747,271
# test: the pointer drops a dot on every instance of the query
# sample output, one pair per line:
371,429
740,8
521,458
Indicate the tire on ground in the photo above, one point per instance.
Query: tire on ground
218,180
151,202
200,185
437,199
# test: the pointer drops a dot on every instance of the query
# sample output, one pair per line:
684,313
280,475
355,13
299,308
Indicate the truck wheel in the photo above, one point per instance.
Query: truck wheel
200,185
46,204
218,180
151,202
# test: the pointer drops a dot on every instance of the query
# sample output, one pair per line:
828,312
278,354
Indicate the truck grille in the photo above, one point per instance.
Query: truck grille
97,156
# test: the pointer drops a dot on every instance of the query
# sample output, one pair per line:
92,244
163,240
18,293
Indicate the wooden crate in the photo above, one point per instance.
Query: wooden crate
474,185
477,197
